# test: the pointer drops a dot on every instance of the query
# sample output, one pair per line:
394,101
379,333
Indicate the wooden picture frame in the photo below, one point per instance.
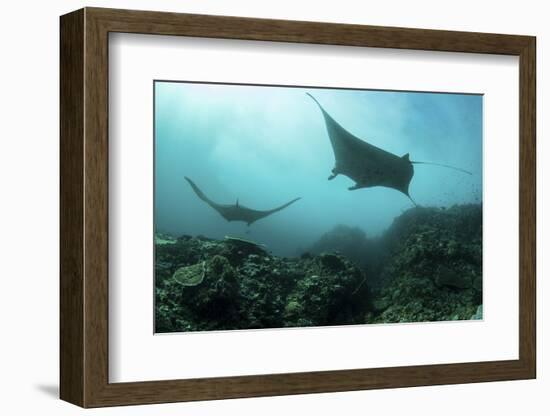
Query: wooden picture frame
84,207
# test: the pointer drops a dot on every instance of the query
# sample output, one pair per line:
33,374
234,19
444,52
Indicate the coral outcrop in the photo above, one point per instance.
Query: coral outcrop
204,284
426,267
433,266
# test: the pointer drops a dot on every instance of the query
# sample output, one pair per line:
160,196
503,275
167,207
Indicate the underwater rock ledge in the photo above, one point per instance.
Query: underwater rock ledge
206,284
425,267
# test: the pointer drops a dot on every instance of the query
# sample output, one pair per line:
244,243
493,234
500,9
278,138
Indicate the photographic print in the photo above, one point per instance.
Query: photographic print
289,206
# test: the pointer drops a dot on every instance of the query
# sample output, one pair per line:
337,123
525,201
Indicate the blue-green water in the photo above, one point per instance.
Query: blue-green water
267,145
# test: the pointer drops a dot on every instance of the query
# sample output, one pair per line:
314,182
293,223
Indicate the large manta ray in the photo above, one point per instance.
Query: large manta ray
237,212
366,164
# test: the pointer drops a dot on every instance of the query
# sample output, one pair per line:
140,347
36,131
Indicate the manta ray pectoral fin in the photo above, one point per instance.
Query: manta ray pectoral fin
354,187
334,174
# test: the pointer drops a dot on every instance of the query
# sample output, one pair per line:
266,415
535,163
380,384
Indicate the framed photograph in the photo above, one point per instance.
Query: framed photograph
255,207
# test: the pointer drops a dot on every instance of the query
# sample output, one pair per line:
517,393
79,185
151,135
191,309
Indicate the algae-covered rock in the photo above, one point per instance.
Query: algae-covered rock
434,268
161,239
206,284
381,304
426,267
242,242
190,275
201,296
332,292
446,276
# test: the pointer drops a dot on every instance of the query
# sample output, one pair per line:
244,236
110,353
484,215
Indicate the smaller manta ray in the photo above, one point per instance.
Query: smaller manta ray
366,164
237,212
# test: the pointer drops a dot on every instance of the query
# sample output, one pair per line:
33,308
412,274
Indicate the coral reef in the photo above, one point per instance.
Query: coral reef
426,267
204,284
352,243
433,269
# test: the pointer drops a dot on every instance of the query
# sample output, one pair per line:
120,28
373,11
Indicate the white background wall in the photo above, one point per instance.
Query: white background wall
29,206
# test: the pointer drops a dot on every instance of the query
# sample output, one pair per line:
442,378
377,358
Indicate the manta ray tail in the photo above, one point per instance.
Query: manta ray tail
412,200
442,165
